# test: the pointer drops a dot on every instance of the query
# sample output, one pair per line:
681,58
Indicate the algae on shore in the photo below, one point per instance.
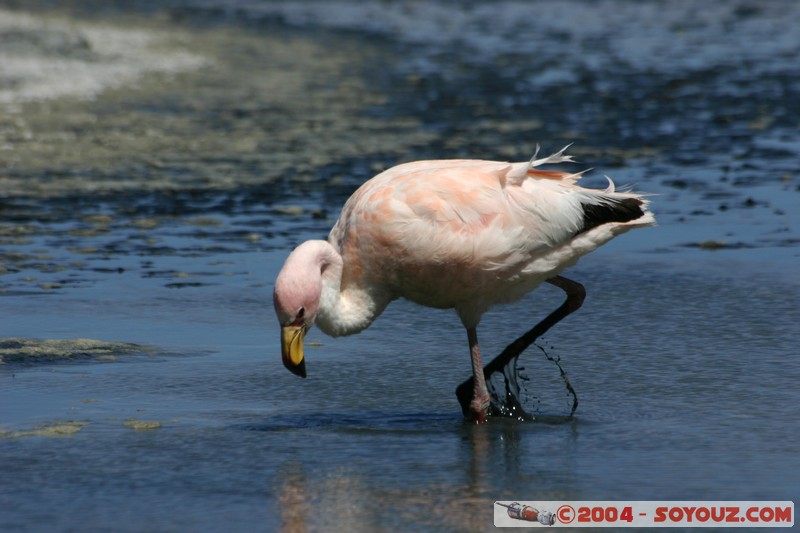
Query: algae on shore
19,350
50,429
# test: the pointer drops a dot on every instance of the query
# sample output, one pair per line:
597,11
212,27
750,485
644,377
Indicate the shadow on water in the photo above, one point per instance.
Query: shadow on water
421,422
388,421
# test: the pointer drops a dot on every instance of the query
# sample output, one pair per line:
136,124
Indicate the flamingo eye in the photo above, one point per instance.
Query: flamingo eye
299,317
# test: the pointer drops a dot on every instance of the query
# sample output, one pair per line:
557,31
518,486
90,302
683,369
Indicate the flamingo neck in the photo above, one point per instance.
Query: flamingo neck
344,310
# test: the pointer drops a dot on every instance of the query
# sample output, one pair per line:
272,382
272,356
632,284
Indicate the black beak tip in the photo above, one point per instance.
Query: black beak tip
299,370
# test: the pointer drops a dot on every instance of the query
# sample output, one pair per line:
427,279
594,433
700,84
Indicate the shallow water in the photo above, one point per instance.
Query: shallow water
151,212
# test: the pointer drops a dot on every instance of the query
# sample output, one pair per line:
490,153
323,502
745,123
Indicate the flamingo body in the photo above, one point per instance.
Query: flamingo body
461,234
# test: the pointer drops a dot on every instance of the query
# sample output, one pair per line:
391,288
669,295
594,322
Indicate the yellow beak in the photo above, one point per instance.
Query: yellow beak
292,349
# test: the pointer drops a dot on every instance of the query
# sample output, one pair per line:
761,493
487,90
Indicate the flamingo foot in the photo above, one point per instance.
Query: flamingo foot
479,409
471,391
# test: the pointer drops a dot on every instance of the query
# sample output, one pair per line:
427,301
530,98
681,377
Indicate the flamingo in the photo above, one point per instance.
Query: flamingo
450,234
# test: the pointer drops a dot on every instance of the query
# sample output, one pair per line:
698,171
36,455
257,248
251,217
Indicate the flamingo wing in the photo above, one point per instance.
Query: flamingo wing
470,232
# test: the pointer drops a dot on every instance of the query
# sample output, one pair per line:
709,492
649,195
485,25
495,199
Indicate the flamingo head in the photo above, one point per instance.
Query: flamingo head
296,297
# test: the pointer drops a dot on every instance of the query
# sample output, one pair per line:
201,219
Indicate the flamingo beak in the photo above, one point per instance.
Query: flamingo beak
292,349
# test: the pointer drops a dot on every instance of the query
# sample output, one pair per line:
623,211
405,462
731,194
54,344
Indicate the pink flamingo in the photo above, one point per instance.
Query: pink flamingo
460,234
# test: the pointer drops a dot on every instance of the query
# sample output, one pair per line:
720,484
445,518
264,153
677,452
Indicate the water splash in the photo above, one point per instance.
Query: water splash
507,398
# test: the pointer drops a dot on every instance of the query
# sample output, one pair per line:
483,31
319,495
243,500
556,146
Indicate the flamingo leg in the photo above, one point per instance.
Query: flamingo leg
575,296
477,407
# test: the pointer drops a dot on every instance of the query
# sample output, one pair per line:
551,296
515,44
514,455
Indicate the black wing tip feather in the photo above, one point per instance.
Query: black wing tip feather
611,210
